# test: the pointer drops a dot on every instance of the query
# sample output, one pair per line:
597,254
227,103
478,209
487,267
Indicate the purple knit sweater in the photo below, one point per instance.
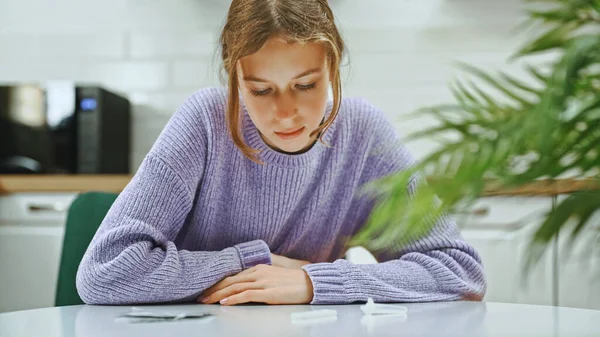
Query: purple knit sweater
198,211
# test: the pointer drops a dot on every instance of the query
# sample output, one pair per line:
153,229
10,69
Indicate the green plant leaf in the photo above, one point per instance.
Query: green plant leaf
554,38
537,74
519,84
493,82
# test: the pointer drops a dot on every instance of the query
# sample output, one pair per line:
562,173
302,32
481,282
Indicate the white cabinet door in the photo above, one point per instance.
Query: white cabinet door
501,238
31,234
579,267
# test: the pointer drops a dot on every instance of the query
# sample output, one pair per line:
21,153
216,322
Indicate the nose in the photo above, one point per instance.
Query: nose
285,106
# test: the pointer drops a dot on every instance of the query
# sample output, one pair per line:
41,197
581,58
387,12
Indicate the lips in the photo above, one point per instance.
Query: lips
289,134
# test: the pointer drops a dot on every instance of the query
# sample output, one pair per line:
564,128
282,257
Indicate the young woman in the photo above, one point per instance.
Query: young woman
251,192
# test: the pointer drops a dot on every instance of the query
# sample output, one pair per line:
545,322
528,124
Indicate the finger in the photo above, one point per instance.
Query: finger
254,295
244,276
226,282
232,290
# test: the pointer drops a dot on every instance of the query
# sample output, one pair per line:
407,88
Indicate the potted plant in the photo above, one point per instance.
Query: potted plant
506,131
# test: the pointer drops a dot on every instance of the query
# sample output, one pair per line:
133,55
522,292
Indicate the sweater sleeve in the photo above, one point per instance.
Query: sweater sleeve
132,258
438,267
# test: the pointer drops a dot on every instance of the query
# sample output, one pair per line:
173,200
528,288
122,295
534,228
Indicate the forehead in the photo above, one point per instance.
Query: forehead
281,57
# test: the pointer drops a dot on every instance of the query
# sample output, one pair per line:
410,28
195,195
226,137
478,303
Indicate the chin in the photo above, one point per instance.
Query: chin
294,146
290,147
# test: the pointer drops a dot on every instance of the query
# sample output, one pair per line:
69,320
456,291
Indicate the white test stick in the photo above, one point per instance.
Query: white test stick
372,308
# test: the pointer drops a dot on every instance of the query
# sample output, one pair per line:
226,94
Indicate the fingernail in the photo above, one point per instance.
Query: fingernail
223,301
202,299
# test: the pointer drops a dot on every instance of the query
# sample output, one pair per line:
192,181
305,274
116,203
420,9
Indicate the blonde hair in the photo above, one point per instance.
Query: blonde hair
250,23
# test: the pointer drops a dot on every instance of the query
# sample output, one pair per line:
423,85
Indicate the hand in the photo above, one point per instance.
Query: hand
263,284
286,262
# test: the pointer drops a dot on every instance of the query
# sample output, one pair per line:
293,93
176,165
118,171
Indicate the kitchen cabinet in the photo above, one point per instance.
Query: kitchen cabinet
579,267
31,234
501,235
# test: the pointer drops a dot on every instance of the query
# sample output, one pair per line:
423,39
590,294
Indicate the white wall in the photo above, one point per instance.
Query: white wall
158,51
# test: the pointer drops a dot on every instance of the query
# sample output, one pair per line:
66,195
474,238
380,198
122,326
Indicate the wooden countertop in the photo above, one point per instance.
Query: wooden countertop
116,183
63,183
545,188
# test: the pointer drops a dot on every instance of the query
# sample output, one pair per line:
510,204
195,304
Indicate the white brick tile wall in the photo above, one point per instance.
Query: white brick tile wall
63,16
128,75
159,52
16,46
393,14
170,15
32,70
162,100
200,72
173,43
76,46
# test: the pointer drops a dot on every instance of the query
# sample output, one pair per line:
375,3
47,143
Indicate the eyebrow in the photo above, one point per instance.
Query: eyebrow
305,73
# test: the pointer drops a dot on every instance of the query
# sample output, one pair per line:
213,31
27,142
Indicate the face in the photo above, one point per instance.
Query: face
284,86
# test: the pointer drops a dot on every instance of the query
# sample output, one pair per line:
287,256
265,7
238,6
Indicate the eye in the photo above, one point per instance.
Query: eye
306,87
260,92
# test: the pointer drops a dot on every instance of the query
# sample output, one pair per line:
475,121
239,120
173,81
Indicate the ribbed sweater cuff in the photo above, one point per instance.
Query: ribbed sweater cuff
328,284
253,253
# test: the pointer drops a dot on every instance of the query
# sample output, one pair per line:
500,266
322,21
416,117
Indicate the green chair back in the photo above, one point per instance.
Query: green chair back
83,219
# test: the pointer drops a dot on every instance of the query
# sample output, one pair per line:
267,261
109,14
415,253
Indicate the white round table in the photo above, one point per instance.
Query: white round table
423,319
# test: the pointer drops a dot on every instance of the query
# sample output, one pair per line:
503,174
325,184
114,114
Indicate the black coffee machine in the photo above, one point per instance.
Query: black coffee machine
63,128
